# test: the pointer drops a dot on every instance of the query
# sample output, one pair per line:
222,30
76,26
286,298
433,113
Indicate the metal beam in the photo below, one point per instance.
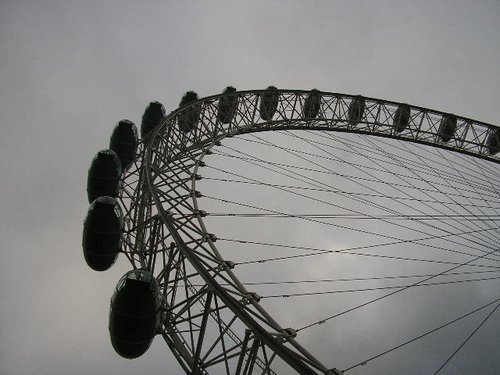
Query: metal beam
269,340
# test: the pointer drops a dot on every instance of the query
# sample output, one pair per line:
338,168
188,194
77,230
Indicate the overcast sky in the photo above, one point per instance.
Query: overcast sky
69,70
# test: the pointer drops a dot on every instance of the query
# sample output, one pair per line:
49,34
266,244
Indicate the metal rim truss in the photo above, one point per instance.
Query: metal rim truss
211,322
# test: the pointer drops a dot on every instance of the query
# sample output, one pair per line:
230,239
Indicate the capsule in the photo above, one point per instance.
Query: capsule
134,313
189,118
101,233
401,118
447,127
153,114
312,104
493,142
124,142
226,109
269,103
356,109
104,175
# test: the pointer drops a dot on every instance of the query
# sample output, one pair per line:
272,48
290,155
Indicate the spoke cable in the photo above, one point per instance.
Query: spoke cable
468,338
324,320
347,251
337,191
338,291
364,362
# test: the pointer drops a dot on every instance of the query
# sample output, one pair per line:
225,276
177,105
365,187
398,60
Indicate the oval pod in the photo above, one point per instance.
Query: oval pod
124,142
102,233
153,114
493,142
134,313
189,118
447,127
104,175
227,106
269,103
356,109
312,104
401,118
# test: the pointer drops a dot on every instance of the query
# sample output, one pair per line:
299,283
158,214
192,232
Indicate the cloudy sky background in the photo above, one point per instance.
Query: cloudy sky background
69,70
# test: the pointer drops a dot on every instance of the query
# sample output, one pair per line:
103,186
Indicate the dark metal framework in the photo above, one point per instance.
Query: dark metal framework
210,321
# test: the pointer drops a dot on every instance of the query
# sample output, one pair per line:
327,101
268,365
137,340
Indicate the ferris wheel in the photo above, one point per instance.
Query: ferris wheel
258,221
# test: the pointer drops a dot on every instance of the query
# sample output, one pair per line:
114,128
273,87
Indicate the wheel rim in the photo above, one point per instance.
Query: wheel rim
163,208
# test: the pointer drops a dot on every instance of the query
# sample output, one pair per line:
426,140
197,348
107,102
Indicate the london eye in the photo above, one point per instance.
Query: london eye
262,226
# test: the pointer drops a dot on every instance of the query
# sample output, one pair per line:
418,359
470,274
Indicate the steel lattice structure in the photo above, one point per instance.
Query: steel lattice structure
210,321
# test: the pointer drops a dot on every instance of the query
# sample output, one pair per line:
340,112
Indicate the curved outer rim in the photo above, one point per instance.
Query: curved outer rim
471,141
